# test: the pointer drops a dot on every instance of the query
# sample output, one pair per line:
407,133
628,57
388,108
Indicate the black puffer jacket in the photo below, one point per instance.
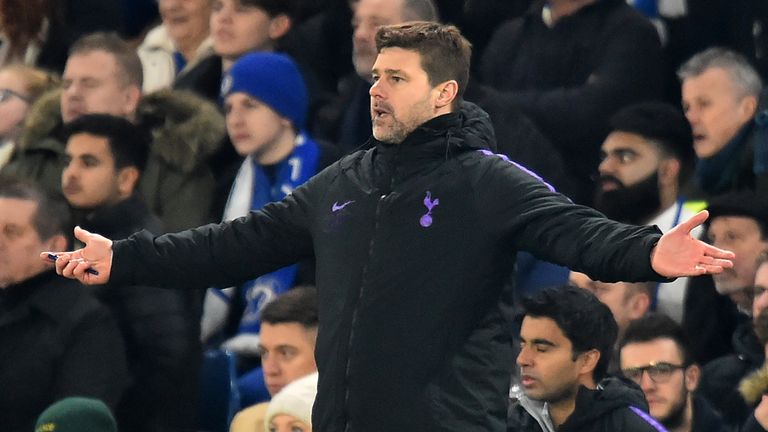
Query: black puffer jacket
413,244
612,407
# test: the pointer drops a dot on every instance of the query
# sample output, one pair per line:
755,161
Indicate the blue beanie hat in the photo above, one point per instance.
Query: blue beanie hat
273,79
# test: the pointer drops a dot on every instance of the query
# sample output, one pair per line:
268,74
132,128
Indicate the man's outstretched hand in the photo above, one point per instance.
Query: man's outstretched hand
678,254
91,265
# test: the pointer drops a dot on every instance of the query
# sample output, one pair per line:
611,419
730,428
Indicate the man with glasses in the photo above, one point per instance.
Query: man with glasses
656,355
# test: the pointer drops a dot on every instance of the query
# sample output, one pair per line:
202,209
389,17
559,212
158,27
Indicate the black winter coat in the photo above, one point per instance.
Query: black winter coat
720,378
56,341
413,243
571,78
612,407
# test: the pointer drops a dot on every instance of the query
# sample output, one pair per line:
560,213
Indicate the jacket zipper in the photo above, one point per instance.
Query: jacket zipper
347,427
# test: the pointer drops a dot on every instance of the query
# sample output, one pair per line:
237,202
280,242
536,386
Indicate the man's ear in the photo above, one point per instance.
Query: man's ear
589,362
669,171
447,93
692,376
132,96
639,305
57,243
279,26
747,108
127,179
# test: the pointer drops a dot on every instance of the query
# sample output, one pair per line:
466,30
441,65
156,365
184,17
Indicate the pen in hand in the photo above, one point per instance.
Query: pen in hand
54,257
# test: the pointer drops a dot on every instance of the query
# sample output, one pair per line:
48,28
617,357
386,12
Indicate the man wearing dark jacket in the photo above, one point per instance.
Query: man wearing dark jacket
567,338
56,340
105,156
413,242
569,65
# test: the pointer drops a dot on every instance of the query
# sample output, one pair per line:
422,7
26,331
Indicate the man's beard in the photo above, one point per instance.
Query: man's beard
635,204
676,415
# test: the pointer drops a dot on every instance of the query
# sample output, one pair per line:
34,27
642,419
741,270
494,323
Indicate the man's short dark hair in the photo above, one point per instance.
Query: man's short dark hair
274,8
585,320
129,143
654,326
445,53
664,125
52,216
297,305
128,62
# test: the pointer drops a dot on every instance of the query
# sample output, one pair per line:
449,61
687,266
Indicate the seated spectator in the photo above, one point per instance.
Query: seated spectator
349,120
76,414
20,87
56,340
754,388
569,66
627,302
567,338
237,27
286,346
291,409
106,156
266,107
103,75
655,354
39,32
646,159
739,220
178,44
720,98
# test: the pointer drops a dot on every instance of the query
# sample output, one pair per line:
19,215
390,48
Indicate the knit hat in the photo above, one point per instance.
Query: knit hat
273,79
76,414
742,203
295,399
659,122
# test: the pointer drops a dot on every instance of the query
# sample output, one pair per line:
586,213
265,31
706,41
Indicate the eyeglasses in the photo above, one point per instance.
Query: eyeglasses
6,94
659,372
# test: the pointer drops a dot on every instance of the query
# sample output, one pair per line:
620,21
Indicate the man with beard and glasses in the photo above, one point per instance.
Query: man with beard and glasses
646,159
656,355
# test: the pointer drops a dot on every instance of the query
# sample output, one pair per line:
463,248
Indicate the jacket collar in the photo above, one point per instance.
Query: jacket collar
117,220
16,301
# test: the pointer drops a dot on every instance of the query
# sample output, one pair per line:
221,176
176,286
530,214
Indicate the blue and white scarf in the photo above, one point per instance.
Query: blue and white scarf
252,190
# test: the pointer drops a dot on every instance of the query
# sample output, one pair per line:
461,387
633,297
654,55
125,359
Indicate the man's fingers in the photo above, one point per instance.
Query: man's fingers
694,221
702,269
82,235
714,252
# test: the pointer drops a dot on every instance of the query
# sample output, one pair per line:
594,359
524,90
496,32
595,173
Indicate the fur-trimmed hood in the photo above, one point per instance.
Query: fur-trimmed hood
754,385
186,129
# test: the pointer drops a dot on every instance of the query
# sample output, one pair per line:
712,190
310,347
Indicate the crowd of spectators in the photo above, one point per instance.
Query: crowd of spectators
127,115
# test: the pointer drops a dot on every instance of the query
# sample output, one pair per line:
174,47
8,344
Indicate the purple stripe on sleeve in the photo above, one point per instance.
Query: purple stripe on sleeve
645,416
524,169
